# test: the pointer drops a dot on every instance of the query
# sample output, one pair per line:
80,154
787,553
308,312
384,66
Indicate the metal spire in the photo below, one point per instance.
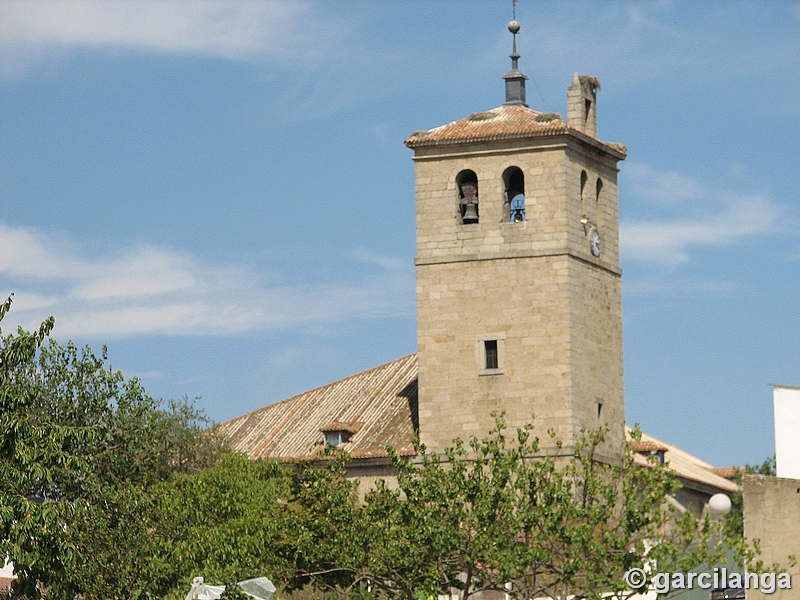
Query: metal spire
515,79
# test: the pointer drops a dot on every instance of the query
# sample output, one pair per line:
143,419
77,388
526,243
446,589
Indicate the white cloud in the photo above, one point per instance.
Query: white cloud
666,189
320,49
645,44
33,30
391,263
709,217
157,290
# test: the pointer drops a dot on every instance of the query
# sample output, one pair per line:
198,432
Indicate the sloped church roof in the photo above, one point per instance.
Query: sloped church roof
379,408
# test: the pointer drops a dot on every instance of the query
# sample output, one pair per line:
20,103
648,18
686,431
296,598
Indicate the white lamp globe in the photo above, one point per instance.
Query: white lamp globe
719,505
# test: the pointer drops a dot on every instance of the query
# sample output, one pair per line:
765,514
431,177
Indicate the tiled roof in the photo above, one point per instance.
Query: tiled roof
728,472
643,446
502,123
379,407
380,403
341,426
685,465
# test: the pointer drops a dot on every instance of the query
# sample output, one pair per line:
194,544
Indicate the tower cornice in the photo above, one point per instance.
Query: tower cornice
510,255
507,122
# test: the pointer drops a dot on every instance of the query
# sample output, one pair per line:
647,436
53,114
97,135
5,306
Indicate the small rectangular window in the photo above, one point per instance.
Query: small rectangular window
336,438
333,438
491,354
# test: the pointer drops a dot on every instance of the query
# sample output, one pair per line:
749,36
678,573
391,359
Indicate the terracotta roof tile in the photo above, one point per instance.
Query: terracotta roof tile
342,426
647,447
728,472
502,123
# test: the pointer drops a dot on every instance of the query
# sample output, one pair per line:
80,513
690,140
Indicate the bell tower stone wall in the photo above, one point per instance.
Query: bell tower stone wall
531,289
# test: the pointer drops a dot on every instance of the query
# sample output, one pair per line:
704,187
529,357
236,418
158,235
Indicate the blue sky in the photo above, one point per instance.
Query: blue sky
220,191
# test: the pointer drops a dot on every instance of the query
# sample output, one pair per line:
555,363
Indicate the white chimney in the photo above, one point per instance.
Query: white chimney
786,400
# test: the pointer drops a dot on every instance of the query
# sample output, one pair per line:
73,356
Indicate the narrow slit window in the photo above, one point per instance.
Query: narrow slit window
490,347
584,178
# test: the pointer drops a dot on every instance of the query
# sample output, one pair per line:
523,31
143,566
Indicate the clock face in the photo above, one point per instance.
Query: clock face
594,242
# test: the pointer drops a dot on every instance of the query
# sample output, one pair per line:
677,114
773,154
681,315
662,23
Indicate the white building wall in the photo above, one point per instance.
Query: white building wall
786,400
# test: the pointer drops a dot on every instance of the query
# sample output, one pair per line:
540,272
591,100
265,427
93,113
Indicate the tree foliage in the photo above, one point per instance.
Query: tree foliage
106,493
34,452
501,515
80,446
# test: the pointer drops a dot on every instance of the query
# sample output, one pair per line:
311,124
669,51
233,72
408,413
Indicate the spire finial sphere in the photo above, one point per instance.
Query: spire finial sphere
515,79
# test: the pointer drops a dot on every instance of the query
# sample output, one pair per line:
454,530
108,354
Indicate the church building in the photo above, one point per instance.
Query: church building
519,302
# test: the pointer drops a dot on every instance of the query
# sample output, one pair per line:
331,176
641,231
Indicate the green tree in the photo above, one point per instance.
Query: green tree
235,520
80,446
223,522
109,494
226,523
499,515
329,526
35,452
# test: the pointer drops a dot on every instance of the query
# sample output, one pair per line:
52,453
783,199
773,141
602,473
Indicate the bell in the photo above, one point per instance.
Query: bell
470,213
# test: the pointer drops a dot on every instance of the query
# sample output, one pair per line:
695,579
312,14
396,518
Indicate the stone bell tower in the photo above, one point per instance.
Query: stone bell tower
519,304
